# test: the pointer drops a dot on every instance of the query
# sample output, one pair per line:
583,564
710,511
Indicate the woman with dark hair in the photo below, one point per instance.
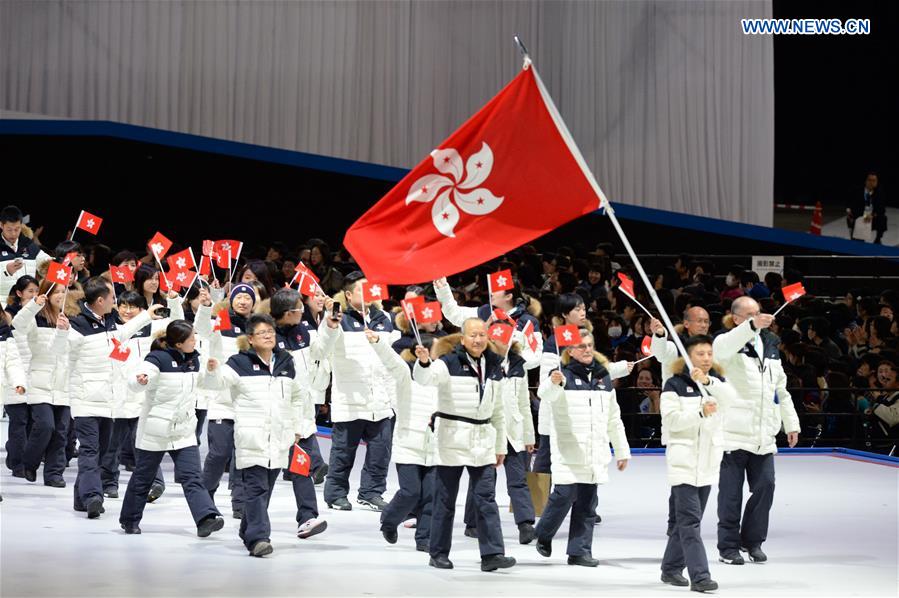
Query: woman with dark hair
23,291
256,271
321,263
125,259
75,252
48,389
167,424
146,283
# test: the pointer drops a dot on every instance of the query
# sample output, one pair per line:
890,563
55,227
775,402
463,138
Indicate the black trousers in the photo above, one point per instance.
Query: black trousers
515,466
303,486
121,441
446,489
686,504
220,437
47,440
187,471
258,483
345,439
753,530
416,495
581,500
17,436
93,444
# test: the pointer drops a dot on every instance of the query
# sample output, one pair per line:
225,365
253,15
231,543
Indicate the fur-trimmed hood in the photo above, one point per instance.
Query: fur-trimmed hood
447,344
679,366
602,359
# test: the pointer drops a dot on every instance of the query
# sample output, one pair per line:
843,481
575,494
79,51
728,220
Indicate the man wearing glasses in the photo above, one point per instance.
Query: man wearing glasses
750,359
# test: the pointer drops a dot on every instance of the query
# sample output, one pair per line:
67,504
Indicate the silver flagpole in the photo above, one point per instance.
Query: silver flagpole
606,205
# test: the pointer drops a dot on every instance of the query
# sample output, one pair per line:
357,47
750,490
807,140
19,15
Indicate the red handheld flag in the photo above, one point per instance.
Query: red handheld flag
88,222
307,287
228,251
167,283
529,336
412,306
645,346
121,274
500,333
567,335
120,352
793,291
69,257
627,285
222,321
501,281
205,266
373,291
303,269
159,245
468,202
183,260
59,273
429,312
300,463
208,248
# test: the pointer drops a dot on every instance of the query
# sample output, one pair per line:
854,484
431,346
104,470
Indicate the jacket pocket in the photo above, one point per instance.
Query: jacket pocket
739,420
251,437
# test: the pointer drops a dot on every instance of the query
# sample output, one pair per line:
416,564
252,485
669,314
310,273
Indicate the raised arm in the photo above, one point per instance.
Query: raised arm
452,311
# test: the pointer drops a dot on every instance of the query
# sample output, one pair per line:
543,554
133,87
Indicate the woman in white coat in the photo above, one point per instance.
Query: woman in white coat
693,426
167,424
585,419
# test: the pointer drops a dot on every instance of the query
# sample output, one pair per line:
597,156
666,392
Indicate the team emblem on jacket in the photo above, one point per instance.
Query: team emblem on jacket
174,364
457,193
356,324
281,344
578,381
255,368
94,325
237,329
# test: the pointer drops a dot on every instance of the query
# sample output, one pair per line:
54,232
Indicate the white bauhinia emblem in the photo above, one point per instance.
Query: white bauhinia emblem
157,248
301,458
427,313
567,335
181,262
90,223
120,275
795,296
498,332
376,290
181,277
461,192
226,247
501,281
61,274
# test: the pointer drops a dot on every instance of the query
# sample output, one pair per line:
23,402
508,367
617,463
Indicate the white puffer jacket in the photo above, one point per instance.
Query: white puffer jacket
33,258
458,395
585,419
12,374
549,361
23,352
221,345
92,373
517,404
360,385
48,378
167,417
695,442
763,404
457,314
412,436
130,398
323,375
266,404
297,341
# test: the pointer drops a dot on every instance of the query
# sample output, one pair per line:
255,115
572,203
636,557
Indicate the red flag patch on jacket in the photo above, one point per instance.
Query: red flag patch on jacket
59,273
567,335
509,174
119,352
88,222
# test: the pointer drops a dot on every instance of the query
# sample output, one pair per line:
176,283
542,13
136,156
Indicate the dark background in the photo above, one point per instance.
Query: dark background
835,119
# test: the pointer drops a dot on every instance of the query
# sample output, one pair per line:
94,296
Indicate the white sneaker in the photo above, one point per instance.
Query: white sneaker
410,523
312,527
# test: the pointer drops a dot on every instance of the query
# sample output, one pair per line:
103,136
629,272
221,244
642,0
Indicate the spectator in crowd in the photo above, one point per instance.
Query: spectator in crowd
870,206
885,406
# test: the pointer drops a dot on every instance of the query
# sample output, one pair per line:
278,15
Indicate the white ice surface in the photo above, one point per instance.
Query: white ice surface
833,533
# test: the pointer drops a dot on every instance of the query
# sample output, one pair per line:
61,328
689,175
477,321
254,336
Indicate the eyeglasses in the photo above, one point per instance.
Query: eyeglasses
291,311
584,347
264,333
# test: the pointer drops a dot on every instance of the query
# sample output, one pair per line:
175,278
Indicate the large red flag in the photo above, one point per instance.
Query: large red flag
510,174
